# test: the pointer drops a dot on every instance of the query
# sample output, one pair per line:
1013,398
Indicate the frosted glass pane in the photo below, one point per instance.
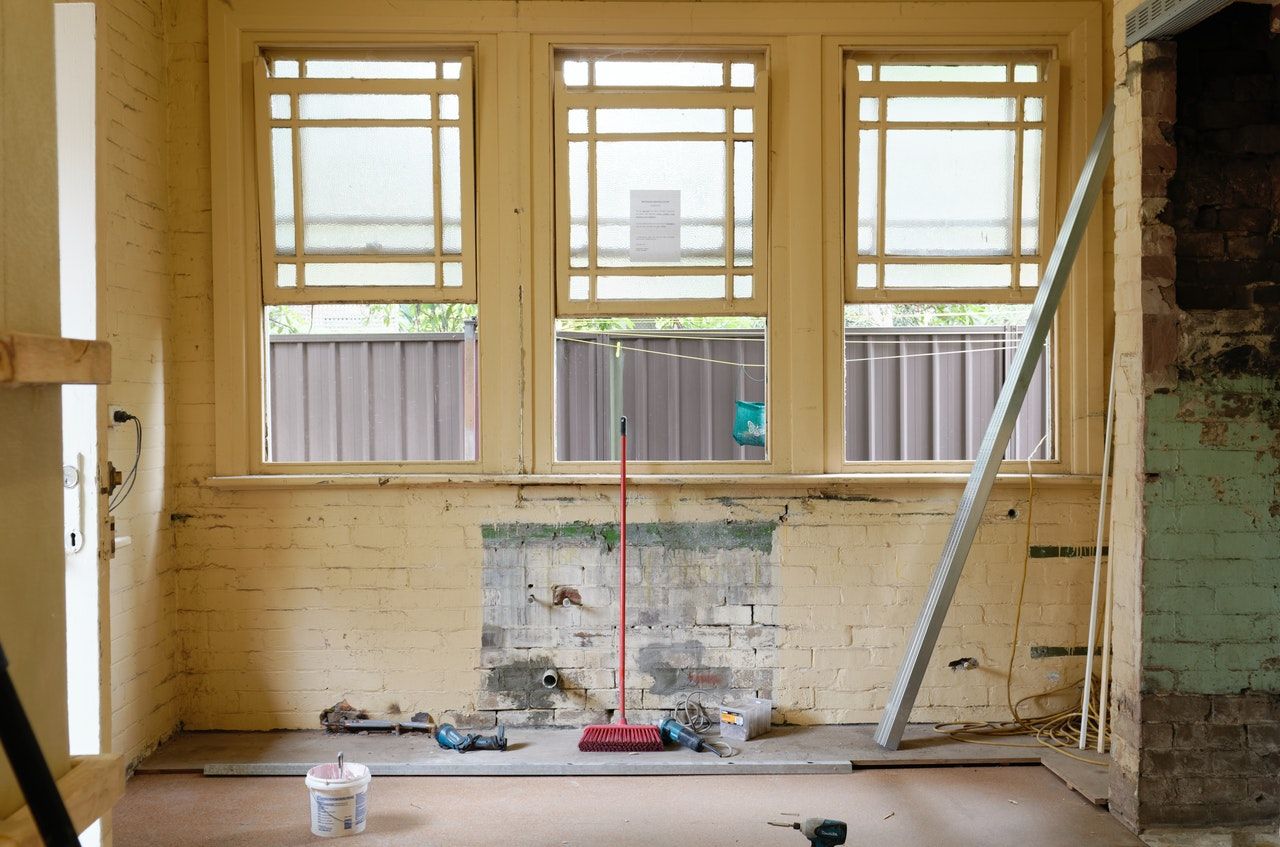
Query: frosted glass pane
578,204
742,286
743,219
451,189
367,190
370,273
742,75
695,168
659,287
282,194
869,109
868,189
948,192
286,276
944,73
1033,109
1028,275
366,106
330,69
957,109
575,73
281,106
449,107
613,72
1032,141
659,120
1026,73
451,70
948,276
578,245
865,73
742,120
451,272
284,68
577,121
578,288
866,276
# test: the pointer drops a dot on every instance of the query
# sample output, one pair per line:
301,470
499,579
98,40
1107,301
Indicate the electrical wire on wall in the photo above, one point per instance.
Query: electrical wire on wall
1059,730
127,483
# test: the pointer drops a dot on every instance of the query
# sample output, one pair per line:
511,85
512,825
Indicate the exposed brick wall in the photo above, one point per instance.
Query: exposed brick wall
136,301
1210,758
1211,652
702,614
1200,481
1146,322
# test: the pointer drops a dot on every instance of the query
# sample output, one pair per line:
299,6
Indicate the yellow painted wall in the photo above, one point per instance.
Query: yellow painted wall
32,616
290,600
136,297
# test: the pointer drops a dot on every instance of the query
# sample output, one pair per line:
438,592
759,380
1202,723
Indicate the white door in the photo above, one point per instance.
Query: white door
75,62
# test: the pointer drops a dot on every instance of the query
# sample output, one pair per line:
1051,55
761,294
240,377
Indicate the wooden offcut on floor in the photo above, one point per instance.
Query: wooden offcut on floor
886,807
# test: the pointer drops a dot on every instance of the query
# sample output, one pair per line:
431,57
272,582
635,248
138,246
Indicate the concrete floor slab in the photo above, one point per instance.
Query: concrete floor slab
554,752
907,807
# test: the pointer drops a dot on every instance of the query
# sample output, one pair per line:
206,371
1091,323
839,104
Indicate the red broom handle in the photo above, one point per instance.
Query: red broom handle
622,581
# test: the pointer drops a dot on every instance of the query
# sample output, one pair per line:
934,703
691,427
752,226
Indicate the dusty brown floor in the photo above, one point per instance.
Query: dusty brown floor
933,807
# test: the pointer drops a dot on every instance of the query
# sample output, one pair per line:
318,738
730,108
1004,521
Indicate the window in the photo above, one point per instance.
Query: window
947,162
368,257
661,284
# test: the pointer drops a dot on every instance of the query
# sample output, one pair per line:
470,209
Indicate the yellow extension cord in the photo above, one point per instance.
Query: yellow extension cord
1059,731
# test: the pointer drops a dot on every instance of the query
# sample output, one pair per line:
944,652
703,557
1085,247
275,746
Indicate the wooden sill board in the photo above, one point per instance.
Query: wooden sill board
28,359
90,789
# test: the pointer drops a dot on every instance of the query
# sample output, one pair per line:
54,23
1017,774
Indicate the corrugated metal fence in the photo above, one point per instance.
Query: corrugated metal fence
352,398
928,394
913,394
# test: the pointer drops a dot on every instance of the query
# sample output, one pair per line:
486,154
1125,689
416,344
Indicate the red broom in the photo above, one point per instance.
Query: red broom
621,737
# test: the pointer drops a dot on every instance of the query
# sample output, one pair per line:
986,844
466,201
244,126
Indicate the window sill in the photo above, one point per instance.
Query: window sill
771,481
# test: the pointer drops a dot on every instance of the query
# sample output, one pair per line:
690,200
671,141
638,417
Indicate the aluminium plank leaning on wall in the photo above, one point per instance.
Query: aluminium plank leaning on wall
942,587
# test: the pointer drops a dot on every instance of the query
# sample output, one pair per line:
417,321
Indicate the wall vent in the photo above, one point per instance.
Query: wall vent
1165,18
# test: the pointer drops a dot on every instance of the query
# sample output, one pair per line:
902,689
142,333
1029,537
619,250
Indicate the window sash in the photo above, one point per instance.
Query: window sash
725,98
264,123
1023,282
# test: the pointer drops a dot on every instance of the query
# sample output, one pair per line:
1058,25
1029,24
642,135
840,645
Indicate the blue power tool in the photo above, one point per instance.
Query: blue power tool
821,832
448,737
673,730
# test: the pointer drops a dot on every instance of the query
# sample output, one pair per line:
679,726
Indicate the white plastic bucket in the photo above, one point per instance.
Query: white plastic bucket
339,801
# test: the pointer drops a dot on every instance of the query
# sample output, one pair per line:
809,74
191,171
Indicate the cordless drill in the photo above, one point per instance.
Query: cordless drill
821,832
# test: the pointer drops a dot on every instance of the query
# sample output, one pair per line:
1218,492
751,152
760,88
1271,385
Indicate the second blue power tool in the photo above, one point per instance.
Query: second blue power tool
673,730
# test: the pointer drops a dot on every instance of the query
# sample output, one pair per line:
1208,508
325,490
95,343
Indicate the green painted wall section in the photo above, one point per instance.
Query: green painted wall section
724,535
1211,584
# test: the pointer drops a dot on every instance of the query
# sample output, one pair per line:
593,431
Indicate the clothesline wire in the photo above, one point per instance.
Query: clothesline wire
618,346
868,339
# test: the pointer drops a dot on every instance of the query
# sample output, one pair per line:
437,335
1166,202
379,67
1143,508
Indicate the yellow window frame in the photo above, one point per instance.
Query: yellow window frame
593,97
266,85
857,90
807,43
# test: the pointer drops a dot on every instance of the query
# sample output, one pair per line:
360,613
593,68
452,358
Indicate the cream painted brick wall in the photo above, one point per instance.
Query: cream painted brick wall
136,303
290,600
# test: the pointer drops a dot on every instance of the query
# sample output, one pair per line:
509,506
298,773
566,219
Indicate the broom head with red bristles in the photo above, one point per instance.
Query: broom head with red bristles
621,738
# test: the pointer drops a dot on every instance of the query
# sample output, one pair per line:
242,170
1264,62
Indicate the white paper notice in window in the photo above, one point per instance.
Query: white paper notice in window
655,226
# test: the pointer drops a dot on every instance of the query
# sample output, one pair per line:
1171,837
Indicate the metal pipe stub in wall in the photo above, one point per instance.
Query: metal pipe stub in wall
551,678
